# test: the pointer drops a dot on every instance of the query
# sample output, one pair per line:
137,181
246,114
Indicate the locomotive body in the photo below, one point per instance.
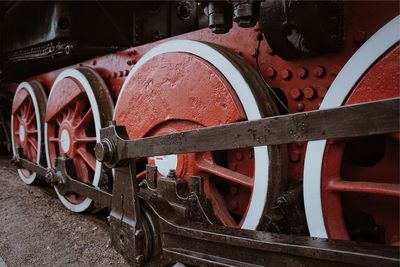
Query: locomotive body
344,189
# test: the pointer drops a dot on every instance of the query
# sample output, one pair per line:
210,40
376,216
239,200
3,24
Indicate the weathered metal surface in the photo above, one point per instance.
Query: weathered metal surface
63,178
202,245
360,176
168,98
354,120
27,120
167,224
79,105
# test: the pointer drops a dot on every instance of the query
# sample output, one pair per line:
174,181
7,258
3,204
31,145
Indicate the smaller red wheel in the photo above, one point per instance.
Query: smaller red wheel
79,106
27,119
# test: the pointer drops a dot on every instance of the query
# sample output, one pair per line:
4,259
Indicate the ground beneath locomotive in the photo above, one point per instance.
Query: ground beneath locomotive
37,230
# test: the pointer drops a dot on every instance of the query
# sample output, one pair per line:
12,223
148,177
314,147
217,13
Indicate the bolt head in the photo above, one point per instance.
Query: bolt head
308,92
286,74
318,71
295,93
301,73
300,106
270,72
100,151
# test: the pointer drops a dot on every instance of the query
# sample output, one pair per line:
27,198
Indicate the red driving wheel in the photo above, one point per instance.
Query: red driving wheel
360,176
79,105
28,110
175,87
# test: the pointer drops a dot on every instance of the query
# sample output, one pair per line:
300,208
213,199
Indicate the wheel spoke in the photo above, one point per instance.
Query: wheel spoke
88,158
27,153
81,170
384,189
30,119
54,139
219,207
33,144
59,120
78,110
225,173
31,131
18,116
29,107
86,119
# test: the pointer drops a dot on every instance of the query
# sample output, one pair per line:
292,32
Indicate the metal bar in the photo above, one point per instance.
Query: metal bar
221,246
384,189
349,121
26,164
100,197
65,183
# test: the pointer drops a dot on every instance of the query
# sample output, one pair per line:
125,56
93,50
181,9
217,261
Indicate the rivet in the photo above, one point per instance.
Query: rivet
129,62
285,74
301,73
239,155
300,106
126,72
294,156
270,72
132,53
295,93
318,71
115,75
308,92
360,36
321,90
121,74
94,62
335,70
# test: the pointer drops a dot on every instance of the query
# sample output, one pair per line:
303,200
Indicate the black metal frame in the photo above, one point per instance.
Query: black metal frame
163,220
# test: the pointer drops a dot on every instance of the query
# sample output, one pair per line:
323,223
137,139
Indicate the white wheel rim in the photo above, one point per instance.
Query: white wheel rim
73,73
248,101
354,69
25,85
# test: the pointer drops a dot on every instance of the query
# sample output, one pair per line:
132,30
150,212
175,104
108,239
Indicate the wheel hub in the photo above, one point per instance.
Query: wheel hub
22,133
65,140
